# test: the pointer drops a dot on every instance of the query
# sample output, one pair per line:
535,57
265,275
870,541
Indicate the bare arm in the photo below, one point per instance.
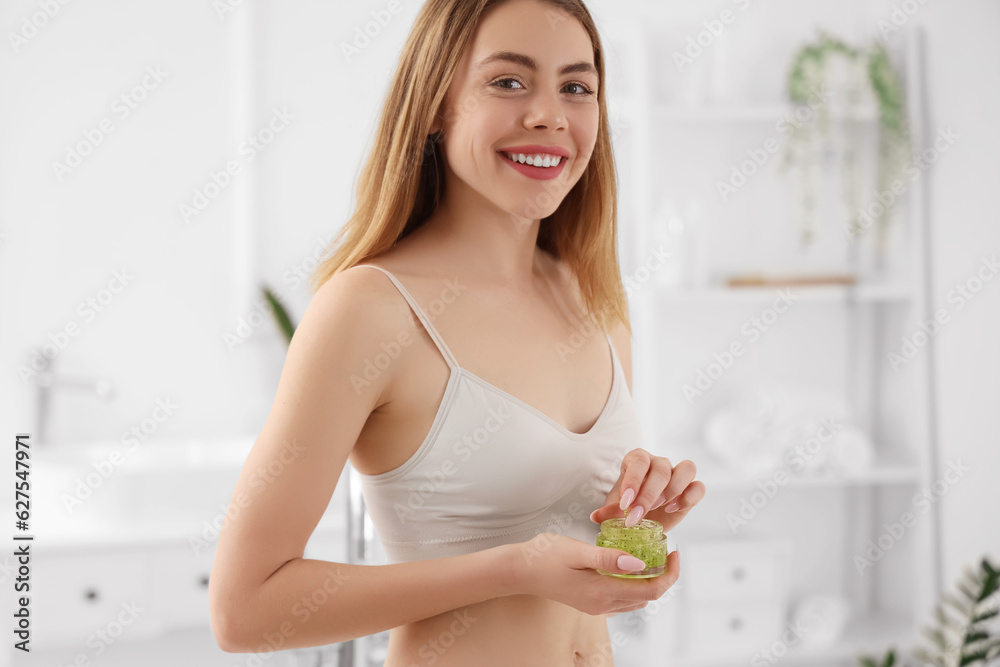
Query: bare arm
313,602
263,594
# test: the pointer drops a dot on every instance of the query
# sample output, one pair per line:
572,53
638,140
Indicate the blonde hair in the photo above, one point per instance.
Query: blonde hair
403,176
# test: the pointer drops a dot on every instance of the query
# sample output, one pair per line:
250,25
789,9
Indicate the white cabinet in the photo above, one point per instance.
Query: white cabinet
179,583
734,597
91,595
731,630
87,599
735,570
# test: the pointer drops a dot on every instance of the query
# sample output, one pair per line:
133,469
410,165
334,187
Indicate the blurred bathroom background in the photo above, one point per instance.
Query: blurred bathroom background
808,234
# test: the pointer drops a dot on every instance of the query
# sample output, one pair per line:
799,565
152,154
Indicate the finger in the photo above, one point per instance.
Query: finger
657,478
690,497
635,464
681,478
615,561
627,608
671,573
606,512
687,499
613,510
652,588
675,483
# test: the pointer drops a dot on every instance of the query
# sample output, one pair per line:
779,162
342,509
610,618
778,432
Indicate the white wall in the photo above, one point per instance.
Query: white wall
161,336
962,58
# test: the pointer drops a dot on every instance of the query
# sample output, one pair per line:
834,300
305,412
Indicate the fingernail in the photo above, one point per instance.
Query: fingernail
627,499
634,516
629,562
592,516
659,501
673,507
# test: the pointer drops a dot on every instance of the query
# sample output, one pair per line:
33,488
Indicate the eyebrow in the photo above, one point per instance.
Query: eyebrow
529,62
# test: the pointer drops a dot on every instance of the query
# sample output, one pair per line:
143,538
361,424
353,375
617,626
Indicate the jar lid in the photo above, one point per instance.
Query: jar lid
646,530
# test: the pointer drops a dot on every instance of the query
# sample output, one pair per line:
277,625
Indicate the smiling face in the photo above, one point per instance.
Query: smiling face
527,82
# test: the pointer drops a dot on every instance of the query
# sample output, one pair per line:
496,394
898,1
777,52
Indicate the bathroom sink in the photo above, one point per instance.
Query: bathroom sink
160,455
173,481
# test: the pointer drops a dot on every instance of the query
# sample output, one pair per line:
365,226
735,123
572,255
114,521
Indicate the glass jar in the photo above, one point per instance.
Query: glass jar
645,540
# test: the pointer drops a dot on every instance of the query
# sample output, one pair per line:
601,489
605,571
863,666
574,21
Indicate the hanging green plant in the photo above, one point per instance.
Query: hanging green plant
871,75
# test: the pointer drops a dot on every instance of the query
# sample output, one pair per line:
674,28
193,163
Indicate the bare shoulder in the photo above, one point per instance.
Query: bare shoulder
367,310
366,293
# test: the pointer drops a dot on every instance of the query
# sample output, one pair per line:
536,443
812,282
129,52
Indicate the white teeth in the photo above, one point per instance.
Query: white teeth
541,161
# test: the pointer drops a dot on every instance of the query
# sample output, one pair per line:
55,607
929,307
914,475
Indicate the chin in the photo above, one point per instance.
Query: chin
535,206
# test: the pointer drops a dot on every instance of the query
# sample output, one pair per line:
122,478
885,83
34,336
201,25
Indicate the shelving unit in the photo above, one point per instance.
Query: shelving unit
894,597
750,113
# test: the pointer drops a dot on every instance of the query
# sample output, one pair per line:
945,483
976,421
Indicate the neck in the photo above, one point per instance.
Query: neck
489,243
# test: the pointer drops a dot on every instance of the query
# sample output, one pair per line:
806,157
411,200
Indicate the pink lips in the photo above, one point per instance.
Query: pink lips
538,173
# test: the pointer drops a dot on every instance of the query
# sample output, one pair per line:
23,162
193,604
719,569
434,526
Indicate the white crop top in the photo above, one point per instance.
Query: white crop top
494,470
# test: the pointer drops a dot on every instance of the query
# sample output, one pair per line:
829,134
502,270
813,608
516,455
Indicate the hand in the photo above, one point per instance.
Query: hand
560,568
652,489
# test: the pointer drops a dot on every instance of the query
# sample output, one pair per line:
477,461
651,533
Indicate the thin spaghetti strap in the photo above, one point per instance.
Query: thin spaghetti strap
614,354
442,347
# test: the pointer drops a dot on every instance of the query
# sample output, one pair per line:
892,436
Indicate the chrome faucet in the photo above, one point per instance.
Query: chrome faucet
364,651
47,381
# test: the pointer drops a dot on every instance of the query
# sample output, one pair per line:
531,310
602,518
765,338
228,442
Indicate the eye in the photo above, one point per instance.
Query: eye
510,83
583,89
497,83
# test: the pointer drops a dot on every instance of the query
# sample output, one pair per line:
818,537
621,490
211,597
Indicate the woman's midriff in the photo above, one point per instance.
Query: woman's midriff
524,630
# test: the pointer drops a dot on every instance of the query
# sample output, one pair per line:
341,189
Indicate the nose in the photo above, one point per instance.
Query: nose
545,112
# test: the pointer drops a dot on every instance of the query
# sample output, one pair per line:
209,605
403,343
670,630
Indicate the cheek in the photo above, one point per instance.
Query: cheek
488,125
463,104
474,136
586,125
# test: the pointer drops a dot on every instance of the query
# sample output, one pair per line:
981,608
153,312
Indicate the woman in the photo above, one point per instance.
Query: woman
480,490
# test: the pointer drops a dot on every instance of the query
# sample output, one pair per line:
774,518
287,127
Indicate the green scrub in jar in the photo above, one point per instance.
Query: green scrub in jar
645,540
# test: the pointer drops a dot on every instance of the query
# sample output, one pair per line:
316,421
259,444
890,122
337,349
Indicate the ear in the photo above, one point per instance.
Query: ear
438,124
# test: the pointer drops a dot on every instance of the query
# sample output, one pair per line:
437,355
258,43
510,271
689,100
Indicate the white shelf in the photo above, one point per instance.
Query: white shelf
831,293
881,474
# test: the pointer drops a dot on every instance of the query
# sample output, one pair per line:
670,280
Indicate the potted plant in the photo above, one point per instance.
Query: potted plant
280,314
866,73
962,635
